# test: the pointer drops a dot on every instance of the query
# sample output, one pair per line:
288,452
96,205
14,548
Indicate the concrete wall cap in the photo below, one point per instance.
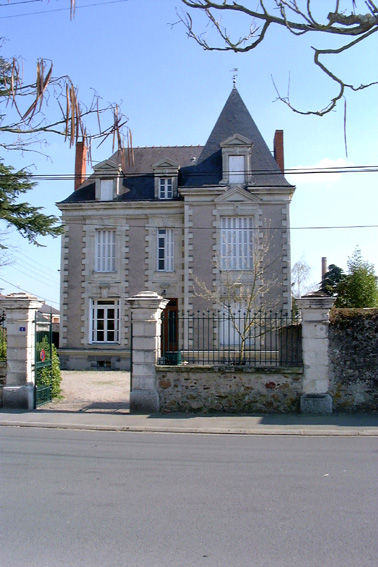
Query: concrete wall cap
315,302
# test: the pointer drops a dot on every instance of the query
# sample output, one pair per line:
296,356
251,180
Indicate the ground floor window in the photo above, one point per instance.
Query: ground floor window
104,324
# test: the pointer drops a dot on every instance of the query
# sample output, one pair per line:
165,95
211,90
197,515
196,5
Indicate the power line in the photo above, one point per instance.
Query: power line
61,9
267,228
31,275
26,291
260,172
20,2
35,264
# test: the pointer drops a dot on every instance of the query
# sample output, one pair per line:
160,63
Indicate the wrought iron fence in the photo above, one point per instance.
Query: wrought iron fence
43,360
3,336
228,338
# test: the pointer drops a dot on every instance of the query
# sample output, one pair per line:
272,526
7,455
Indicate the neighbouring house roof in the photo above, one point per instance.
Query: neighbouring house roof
48,309
199,165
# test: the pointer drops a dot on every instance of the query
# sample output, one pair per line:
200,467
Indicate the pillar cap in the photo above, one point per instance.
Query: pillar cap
147,299
21,300
315,300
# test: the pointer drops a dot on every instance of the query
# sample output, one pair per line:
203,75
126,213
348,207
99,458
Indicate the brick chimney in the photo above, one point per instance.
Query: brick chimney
278,149
324,266
80,163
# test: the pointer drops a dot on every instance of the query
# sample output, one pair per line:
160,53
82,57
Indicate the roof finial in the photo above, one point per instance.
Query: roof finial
235,74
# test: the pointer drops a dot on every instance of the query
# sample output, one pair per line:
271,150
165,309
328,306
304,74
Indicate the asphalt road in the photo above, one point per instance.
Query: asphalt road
87,498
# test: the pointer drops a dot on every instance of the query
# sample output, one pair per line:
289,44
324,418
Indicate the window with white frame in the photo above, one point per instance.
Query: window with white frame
105,250
236,169
165,250
166,188
236,243
104,321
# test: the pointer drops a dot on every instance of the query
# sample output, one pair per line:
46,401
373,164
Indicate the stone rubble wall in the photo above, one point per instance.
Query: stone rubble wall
237,390
353,360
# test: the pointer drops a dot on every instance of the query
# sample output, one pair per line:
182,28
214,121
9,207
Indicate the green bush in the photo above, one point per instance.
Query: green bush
44,373
3,344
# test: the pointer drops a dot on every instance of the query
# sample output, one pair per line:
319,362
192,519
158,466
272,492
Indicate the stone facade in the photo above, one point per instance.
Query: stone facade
236,390
353,356
161,219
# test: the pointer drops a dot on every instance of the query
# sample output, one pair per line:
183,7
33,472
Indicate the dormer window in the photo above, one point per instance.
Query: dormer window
166,188
108,180
236,160
166,179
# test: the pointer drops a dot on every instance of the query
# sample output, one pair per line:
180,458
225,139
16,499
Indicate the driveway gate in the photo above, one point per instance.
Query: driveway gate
43,359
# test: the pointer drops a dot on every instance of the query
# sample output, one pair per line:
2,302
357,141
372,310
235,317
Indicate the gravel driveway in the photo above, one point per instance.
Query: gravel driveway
93,391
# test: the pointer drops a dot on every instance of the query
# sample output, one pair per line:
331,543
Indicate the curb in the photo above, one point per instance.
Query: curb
304,432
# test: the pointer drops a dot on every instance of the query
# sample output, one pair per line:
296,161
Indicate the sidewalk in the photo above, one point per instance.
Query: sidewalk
94,400
333,425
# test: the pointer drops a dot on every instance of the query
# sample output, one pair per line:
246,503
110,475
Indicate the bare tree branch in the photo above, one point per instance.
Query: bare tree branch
27,104
298,18
243,295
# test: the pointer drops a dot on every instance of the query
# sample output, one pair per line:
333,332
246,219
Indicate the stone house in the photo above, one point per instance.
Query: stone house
175,214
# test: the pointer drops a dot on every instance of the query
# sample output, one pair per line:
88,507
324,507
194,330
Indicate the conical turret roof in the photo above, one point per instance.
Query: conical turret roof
235,119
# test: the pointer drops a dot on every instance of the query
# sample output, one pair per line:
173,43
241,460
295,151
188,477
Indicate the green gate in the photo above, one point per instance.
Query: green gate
43,359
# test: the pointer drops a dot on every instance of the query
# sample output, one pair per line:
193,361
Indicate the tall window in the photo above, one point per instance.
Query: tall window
166,188
236,243
104,321
165,250
236,169
105,251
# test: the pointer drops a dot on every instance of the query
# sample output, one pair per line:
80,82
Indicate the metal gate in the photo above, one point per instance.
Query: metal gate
43,359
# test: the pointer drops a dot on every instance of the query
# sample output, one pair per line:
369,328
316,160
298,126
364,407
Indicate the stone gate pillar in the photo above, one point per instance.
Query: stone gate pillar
20,309
315,321
146,309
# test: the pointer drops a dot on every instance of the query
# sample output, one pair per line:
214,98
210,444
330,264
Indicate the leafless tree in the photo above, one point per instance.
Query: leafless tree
244,296
301,272
298,17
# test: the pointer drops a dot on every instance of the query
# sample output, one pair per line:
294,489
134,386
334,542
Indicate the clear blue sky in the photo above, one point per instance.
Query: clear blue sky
172,92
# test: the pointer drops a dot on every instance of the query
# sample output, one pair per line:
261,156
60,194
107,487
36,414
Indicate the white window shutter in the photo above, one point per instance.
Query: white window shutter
236,243
236,167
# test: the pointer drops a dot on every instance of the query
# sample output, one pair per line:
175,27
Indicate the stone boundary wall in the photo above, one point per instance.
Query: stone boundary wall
237,390
353,360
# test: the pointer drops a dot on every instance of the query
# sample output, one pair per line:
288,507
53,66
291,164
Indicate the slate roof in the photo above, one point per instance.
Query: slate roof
236,119
199,165
139,179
